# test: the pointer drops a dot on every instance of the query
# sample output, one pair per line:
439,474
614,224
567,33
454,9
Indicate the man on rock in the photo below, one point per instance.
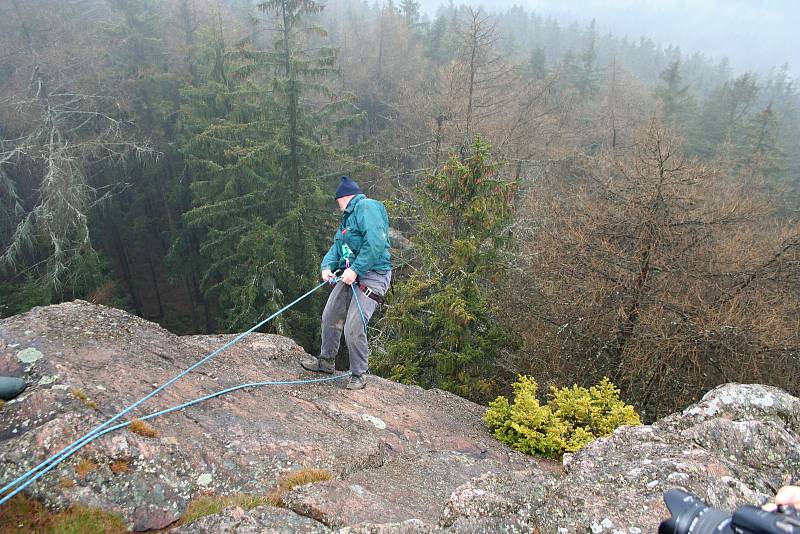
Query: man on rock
360,252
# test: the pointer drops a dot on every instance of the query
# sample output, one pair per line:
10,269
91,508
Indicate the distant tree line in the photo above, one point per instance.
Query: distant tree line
579,205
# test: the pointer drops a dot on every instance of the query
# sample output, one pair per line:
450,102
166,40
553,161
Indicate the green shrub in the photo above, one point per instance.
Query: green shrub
571,419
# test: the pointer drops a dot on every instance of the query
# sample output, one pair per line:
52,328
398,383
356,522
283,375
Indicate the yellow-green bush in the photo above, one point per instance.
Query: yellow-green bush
571,419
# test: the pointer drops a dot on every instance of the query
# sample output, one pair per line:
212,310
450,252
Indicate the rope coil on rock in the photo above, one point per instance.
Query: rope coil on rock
47,465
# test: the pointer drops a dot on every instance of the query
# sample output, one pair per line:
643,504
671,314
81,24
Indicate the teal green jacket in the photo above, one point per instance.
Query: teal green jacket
365,230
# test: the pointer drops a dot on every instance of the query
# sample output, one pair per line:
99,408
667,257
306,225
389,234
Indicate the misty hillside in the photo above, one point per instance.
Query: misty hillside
577,203
754,35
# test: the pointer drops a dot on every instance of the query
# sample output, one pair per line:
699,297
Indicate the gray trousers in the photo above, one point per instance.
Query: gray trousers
341,313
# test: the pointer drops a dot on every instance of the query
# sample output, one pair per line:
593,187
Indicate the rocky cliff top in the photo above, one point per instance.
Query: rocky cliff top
402,459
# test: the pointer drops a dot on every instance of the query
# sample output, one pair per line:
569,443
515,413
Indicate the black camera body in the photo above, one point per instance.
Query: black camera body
690,515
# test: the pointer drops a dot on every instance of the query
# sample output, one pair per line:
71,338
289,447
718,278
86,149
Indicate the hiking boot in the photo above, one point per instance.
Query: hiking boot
320,365
357,382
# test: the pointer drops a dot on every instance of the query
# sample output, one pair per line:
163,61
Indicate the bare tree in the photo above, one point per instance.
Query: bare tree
637,280
59,129
480,81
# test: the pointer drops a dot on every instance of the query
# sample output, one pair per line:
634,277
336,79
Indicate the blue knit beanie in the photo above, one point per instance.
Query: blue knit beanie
347,187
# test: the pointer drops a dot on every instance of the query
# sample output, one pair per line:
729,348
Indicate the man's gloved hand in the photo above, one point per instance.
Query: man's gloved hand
327,275
349,276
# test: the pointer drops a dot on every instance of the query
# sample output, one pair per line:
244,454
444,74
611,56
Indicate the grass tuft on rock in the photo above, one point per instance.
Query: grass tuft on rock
2,403
142,428
120,466
213,504
301,477
85,466
23,515
81,395
306,475
82,519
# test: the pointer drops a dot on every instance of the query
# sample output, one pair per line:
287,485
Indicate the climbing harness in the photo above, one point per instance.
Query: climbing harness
377,297
368,292
40,470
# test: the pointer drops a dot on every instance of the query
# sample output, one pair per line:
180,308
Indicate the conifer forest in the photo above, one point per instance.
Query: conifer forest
566,204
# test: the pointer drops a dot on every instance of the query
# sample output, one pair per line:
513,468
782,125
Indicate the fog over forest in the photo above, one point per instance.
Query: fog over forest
756,35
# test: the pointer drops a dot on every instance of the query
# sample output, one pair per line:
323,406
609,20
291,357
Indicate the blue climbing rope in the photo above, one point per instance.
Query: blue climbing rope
101,429
91,437
360,311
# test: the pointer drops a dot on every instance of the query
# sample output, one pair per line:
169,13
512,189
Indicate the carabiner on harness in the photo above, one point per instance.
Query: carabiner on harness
346,253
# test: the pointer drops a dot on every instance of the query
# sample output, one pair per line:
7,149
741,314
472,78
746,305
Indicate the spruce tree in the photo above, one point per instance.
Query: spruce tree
436,43
676,101
257,136
725,115
760,154
536,67
138,223
442,330
587,78
410,11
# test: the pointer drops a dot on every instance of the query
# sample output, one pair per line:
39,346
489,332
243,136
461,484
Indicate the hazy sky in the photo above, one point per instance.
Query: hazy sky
753,34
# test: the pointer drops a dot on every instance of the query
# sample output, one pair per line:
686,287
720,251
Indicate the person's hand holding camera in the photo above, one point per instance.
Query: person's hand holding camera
787,495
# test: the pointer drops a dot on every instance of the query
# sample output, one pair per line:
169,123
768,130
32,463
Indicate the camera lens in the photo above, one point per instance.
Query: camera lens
690,515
